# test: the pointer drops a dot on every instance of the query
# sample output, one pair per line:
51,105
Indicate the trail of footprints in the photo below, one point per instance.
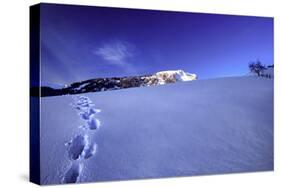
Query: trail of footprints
81,147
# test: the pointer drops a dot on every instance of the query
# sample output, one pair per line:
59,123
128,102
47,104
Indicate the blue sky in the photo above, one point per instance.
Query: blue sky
81,42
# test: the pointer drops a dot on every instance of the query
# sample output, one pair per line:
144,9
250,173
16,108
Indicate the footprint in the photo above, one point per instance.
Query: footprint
84,102
76,146
73,173
93,123
81,147
90,151
85,115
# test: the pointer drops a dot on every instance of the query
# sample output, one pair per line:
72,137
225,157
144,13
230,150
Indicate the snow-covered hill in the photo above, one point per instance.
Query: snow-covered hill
214,126
171,76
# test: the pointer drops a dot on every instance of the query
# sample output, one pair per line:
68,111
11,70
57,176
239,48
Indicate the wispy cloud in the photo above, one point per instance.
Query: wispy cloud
116,53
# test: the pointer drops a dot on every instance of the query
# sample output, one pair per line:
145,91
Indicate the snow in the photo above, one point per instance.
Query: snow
202,127
178,75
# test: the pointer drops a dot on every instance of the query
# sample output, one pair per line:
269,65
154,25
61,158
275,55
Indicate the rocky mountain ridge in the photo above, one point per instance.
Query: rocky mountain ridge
114,83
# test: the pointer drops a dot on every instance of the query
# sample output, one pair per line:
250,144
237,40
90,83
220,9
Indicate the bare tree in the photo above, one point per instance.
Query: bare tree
256,67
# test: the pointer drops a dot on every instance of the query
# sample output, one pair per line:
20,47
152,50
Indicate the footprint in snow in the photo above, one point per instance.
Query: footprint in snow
85,115
73,173
82,103
81,148
92,124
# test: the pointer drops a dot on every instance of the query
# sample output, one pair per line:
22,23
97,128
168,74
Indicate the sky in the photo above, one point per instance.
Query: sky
84,42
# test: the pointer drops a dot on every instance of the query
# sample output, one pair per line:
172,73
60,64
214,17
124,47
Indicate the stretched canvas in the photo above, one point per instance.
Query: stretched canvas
122,94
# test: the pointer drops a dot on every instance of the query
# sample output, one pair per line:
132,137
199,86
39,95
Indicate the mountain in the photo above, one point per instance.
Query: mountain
114,83
171,76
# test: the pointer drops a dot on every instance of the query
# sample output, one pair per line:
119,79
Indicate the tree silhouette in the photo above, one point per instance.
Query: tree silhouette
256,67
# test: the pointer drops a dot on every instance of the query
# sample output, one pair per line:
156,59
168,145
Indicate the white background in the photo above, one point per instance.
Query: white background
14,115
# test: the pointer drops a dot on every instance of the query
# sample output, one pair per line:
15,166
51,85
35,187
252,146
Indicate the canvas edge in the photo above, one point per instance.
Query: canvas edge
34,104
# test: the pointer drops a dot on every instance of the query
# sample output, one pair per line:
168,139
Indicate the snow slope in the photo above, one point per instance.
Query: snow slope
202,127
